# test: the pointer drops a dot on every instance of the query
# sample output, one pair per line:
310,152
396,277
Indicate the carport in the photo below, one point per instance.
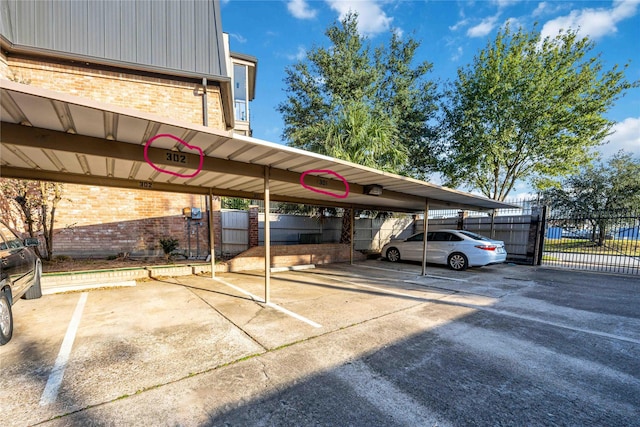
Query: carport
52,136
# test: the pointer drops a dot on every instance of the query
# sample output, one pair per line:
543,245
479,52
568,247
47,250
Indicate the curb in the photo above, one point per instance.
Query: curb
91,279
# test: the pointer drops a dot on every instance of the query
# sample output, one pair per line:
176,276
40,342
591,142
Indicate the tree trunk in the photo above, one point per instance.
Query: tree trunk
345,235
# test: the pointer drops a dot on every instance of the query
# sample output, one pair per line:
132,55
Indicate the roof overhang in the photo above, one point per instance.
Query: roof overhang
58,137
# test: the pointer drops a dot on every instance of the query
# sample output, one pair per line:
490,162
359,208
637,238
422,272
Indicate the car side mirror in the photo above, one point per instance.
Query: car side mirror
31,241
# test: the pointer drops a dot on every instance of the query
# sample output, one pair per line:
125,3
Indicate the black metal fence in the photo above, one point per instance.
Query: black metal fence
597,241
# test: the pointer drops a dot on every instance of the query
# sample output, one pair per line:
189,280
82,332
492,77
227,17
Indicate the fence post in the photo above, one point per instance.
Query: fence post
538,219
462,215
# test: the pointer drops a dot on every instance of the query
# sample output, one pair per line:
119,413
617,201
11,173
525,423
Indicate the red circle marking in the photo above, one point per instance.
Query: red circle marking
192,147
328,193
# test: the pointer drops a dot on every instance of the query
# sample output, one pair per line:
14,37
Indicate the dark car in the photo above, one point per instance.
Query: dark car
20,273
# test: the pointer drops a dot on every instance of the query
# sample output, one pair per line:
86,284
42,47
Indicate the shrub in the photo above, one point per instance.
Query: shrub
169,244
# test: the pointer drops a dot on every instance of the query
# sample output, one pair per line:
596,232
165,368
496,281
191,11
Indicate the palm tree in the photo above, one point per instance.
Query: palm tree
361,136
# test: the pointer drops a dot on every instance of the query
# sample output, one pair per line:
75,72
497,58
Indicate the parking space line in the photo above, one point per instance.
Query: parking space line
383,290
249,294
294,315
50,392
410,273
270,304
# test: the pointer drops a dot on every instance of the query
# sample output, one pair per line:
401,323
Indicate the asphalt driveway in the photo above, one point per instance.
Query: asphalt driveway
369,344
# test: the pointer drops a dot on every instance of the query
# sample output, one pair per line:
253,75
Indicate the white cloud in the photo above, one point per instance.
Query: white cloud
237,37
541,9
514,23
548,8
457,54
505,3
626,137
299,55
371,18
459,24
483,28
300,9
593,23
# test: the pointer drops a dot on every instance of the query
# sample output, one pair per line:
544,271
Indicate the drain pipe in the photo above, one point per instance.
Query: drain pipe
205,118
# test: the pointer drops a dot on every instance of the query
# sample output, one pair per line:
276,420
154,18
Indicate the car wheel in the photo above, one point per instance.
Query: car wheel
6,319
458,261
35,291
393,255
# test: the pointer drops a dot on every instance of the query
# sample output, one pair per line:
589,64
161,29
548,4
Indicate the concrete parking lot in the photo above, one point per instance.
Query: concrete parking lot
370,344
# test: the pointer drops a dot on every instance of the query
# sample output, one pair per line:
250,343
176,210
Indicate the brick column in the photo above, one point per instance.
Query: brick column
253,226
217,225
462,215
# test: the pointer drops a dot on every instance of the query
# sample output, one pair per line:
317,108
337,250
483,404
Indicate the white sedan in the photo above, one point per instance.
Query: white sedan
458,249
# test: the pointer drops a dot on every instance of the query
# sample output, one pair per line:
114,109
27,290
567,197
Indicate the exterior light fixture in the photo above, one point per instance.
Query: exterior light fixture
373,190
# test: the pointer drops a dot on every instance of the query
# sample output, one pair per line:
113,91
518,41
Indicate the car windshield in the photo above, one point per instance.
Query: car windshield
474,236
11,241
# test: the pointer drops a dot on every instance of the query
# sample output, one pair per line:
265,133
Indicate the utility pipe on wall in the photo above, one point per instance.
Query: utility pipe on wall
205,117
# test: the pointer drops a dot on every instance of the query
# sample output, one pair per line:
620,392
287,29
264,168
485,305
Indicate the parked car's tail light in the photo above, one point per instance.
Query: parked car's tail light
487,247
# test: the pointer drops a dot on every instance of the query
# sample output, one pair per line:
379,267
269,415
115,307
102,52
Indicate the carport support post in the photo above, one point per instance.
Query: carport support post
351,243
267,237
424,238
211,235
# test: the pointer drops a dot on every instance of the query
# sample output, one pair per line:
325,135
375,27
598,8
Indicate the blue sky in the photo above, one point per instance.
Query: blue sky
279,32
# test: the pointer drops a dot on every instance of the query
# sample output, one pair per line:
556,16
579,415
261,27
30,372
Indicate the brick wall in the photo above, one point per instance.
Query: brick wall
290,255
217,232
166,97
101,221
96,221
253,226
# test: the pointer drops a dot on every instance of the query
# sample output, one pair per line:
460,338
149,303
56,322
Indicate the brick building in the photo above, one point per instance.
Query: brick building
162,57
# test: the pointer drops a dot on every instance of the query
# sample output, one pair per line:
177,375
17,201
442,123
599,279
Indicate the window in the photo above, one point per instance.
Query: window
474,236
240,94
417,238
440,236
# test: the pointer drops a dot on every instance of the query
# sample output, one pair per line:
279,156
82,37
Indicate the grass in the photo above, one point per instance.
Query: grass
586,246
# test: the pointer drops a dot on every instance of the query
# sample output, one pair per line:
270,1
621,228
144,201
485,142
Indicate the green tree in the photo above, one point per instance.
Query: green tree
344,86
410,100
366,107
599,190
358,136
235,203
33,205
526,109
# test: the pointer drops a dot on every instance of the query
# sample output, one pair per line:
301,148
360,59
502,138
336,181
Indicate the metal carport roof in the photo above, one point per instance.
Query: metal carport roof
53,136
58,137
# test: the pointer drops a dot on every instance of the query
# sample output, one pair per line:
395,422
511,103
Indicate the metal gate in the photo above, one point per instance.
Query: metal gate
235,232
597,241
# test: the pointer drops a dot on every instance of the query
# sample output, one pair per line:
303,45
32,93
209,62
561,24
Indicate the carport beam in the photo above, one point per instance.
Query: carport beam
267,237
424,238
